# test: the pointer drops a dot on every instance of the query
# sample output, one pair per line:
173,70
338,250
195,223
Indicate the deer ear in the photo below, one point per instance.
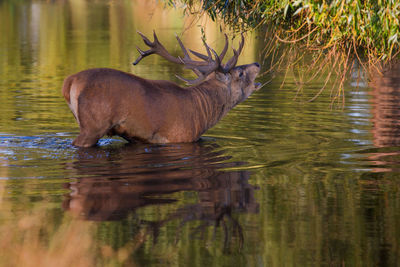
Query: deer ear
223,77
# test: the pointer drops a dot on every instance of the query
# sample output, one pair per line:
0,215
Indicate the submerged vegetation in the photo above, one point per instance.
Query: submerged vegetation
343,34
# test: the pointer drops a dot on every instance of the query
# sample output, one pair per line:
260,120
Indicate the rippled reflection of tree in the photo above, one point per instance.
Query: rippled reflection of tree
386,117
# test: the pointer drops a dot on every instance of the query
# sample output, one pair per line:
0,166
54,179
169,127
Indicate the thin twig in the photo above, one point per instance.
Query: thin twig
297,40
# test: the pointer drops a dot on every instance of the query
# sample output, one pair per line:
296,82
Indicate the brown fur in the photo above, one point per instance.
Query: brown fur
108,101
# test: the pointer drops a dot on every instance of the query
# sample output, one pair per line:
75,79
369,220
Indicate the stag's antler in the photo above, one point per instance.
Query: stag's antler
233,60
201,68
155,48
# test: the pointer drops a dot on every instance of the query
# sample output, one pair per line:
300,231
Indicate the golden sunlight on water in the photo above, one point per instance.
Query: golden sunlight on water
277,182
59,36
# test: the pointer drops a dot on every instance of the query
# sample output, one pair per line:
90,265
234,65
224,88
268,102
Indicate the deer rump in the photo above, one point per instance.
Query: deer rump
112,102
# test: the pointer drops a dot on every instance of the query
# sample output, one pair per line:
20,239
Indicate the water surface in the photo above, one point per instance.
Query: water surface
278,182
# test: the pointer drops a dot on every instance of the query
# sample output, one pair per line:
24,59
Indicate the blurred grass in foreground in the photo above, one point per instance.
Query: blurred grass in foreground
33,240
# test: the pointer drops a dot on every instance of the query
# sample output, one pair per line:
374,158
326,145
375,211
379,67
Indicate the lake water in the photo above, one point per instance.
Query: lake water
278,182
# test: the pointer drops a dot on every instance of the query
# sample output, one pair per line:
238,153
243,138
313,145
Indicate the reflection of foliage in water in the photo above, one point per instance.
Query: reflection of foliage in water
311,219
319,202
332,218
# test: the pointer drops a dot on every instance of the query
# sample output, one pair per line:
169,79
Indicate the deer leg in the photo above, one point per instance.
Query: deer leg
92,127
86,140
89,136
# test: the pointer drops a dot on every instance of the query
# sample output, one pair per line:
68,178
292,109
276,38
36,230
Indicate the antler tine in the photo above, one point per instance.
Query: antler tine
186,54
241,43
146,53
199,55
233,60
142,55
207,58
192,82
146,40
155,48
221,56
202,69
217,59
207,49
155,37
205,67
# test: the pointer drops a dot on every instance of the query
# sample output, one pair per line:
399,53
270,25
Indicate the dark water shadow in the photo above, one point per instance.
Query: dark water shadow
111,184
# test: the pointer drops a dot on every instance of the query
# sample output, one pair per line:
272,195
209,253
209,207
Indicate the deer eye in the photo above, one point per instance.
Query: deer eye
240,74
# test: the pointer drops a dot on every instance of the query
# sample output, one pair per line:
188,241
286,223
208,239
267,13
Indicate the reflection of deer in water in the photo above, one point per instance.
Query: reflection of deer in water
110,185
386,113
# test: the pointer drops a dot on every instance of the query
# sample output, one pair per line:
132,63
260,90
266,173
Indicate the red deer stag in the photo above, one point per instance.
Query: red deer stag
107,101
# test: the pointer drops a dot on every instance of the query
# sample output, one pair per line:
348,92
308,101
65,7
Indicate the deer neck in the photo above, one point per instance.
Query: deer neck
211,101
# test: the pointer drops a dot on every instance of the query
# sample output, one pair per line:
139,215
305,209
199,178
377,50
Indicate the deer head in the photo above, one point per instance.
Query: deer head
240,79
